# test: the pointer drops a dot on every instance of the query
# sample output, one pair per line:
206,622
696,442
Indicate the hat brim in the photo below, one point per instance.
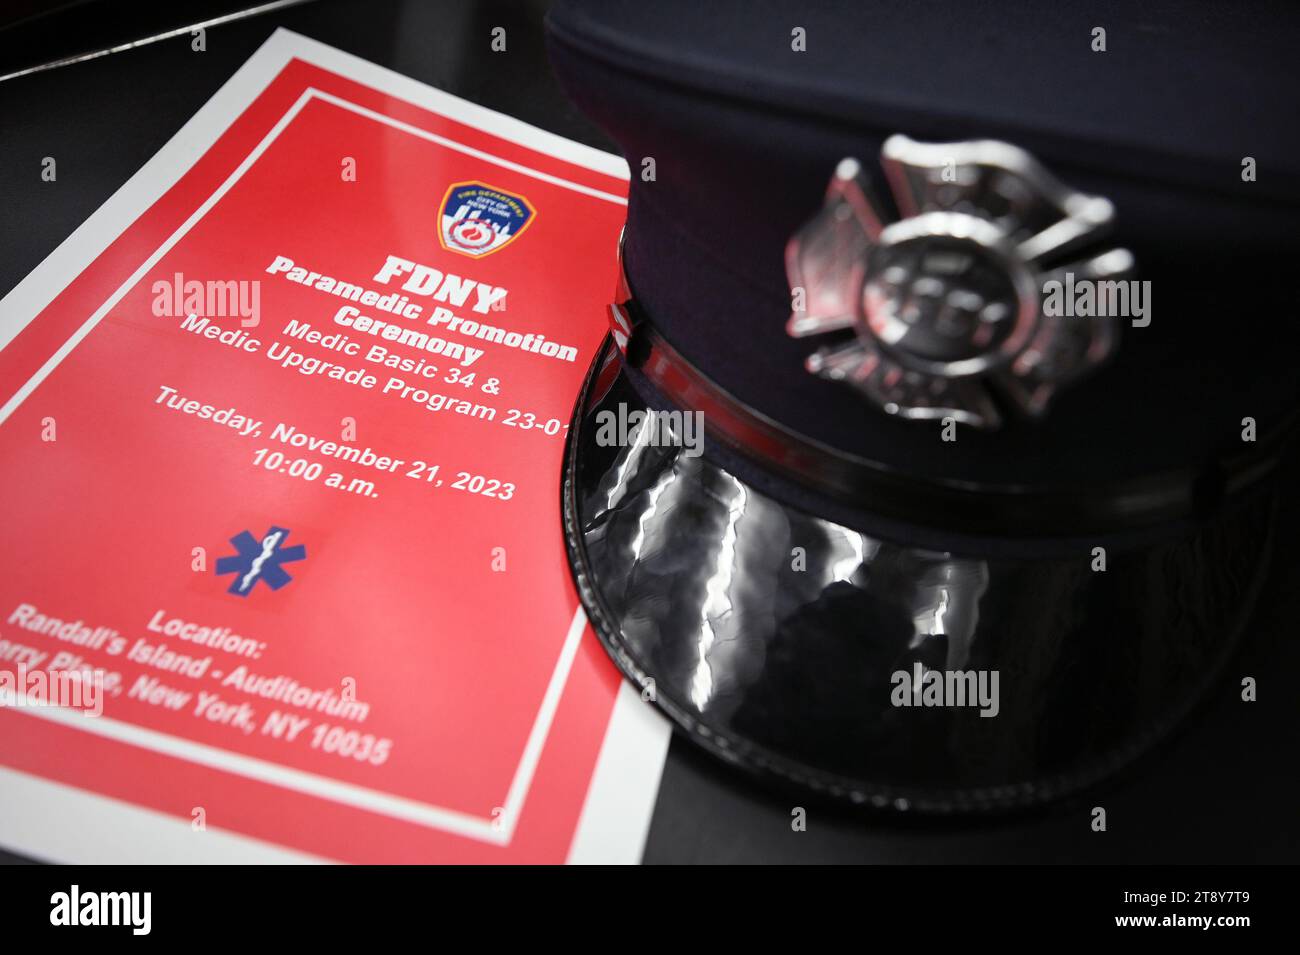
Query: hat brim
776,639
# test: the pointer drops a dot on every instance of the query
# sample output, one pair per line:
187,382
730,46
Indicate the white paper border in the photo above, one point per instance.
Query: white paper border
616,812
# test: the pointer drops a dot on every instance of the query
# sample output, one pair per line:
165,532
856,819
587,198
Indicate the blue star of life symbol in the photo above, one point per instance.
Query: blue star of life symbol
259,560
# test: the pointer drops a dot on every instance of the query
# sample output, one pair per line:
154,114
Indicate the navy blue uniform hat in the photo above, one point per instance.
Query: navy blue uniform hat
978,303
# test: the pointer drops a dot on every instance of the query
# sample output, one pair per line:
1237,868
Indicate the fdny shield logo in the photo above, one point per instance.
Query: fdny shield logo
478,219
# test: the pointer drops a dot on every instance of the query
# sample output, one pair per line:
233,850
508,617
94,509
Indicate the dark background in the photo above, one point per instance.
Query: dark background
1226,789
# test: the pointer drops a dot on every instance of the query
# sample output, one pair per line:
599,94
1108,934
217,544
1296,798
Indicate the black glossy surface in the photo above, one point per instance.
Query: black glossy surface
772,636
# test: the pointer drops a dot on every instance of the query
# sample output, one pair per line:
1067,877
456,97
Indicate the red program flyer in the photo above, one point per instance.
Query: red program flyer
281,430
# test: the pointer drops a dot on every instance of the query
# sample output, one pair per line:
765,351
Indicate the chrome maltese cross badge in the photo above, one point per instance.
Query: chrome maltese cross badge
945,305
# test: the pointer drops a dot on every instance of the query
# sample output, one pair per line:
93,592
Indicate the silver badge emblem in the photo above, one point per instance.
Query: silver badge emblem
945,304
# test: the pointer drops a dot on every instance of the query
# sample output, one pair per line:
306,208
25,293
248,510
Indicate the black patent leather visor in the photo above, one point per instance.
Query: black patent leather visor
867,669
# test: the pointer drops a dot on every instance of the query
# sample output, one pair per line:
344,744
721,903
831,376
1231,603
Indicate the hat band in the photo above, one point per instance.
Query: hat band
964,506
